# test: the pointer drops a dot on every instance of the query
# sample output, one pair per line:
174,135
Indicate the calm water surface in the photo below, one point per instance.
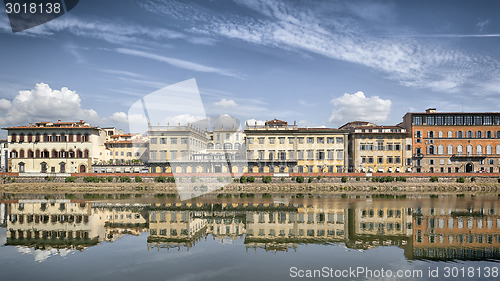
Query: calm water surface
124,237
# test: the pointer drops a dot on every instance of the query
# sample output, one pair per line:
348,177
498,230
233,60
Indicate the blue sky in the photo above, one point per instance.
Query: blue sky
321,63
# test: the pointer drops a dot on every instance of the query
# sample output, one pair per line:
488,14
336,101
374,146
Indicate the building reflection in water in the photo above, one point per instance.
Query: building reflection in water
425,229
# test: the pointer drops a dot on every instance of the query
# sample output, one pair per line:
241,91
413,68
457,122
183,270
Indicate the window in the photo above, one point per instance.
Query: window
218,145
272,140
370,160
330,140
290,140
321,140
282,140
153,140
430,120
488,120
430,134
397,146
261,140
173,141
460,134
250,140
440,149
330,155
459,149
389,160
439,120
497,149
469,149
184,140
300,154
479,149
459,120
228,146
469,135
418,134
440,134
380,160
450,149
478,120
310,154
489,135
397,160
340,140
320,155
380,146
340,154
310,140
489,149
479,134
448,120
301,140
417,120
468,120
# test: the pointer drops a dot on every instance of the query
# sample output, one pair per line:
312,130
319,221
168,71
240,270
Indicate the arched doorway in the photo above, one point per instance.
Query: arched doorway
21,167
62,167
469,168
82,168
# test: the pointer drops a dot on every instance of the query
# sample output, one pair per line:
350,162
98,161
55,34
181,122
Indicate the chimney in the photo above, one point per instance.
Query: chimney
430,110
59,121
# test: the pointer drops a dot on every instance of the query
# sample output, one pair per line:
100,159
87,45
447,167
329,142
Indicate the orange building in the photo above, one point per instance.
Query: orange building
454,142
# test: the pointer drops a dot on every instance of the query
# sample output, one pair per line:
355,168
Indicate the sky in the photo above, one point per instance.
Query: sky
319,63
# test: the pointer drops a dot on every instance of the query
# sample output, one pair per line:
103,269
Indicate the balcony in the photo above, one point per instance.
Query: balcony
469,155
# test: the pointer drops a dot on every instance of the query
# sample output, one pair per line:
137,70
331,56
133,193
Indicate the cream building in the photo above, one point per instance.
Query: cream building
378,149
127,149
4,155
61,147
277,147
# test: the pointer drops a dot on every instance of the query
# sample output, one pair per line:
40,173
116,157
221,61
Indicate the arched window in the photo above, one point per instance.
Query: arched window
30,153
469,149
450,134
71,154
30,137
63,154
497,149
54,153
479,149
218,146
430,134
489,134
228,146
237,146
21,153
37,137
13,154
489,149
45,154
54,137
498,134
86,153
479,134
21,138
440,149
450,149
210,146
63,137
79,154
440,134
459,149
13,138
37,153
430,149
70,138
78,138
45,138
460,134
469,135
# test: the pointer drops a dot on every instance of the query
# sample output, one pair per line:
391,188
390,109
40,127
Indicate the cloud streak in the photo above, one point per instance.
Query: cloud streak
176,62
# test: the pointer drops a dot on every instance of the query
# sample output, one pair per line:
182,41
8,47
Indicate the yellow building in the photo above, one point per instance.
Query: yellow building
61,147
277,147
127,149
378,149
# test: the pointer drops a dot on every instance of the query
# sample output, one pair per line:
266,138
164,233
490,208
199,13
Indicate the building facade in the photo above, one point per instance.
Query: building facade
127,149
277,147
454,142
4,155
61,147
381,149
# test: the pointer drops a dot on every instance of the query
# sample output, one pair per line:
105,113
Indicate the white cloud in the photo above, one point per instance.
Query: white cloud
176,62
359,107
226,103
44,104
119,117
182,119
253,122
4,104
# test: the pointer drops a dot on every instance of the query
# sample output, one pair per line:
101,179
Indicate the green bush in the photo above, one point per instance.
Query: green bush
266,179
344,179
358,178
125,179
311,179
266,195
461,180
243,179
160,179
171,179
434,179
193,179
138,179
251,179
70,179
383,179
109,179
319,177
300,179
282,179
498,180
473,179
293,179
403,179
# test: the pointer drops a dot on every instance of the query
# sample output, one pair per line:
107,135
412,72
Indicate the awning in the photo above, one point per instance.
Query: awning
398,169
127,170
363,170
137,170
408,170
390,170
118,170
109,170
370,170
380,170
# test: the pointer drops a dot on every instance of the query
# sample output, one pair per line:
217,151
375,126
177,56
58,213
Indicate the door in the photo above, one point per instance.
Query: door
82,168
469,168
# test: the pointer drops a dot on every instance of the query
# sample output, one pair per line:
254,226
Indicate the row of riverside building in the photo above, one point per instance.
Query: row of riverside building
425,142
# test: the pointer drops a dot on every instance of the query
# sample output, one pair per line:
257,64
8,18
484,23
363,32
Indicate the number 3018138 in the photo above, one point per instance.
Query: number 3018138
33,8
